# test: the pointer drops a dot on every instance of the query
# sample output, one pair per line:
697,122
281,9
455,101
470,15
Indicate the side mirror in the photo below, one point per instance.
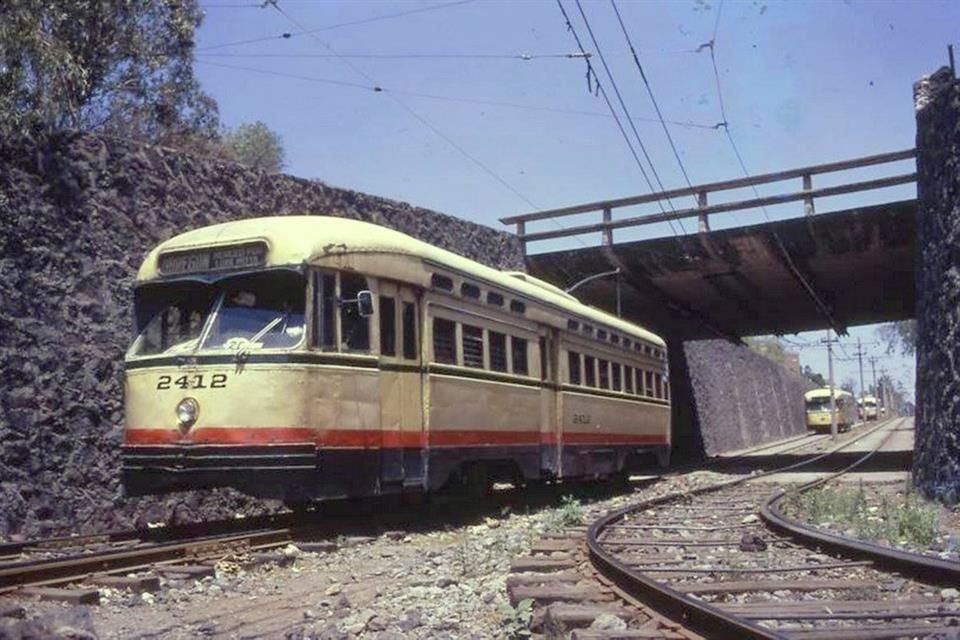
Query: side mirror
365,303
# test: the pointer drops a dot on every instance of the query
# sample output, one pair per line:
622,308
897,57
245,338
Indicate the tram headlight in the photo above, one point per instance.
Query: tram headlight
187,411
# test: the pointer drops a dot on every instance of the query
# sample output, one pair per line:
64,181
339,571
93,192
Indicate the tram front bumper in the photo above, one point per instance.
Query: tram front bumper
282,471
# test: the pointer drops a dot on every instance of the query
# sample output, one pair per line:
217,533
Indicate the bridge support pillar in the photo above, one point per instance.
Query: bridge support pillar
936,461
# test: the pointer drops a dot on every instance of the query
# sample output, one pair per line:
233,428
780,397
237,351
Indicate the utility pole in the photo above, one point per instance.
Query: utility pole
833,401
873,365
860,354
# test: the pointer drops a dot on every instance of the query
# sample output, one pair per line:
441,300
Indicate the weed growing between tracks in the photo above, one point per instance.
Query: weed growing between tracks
569,513
516,620
896,518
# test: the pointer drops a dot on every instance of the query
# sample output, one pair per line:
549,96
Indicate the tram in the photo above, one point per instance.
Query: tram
869,408
309,357
818,414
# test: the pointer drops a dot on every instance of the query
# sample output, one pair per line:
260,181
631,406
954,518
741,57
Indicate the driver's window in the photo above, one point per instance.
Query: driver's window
354,328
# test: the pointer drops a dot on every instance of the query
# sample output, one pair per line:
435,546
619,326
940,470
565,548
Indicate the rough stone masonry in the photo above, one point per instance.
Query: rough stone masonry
77,215
936,459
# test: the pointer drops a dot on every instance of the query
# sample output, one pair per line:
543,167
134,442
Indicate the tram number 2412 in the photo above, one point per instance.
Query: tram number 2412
581,418
194,381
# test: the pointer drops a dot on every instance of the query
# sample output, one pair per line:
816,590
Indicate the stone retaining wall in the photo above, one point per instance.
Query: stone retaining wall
742,398
936,458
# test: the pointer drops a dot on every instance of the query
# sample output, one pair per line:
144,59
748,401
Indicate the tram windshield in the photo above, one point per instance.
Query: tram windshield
253,311
819,404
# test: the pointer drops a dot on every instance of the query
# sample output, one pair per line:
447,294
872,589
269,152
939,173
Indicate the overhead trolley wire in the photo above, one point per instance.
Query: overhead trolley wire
405,56
430,96
593,79
805,283
275,4
653,99
302,32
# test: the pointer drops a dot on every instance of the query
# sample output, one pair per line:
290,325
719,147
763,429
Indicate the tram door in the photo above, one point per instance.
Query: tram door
401,402
549,401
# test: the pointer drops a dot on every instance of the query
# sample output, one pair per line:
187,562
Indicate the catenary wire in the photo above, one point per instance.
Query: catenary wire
596,80
288,35
653,99
725,124
430,96
426,123
403,56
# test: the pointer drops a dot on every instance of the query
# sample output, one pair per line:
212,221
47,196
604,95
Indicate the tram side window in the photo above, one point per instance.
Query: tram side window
604,367
628,379
498,351
472,346
388,326
666,389
518,351
648,383
409,331
658,385
354,328
590,370
615,376
444,341
573,367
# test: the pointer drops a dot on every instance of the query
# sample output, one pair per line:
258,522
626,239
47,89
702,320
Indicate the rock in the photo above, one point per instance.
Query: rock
333,590
752,542
208,628
411,620
608,622
445,582
949,595
376,623
750,519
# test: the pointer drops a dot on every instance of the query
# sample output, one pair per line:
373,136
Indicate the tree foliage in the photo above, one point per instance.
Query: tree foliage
815,378
257,146
122,67
901,334
771,348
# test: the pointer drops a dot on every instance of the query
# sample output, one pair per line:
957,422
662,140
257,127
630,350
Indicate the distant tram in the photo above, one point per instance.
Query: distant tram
818,414
869,408
305,358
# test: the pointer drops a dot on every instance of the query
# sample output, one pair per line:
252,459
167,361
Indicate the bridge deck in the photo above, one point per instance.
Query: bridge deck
738,282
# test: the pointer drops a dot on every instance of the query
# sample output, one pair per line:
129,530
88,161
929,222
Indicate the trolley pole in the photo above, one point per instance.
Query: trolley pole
833,401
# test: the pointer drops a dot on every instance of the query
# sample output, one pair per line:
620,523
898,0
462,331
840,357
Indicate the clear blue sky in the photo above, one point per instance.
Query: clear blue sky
802,83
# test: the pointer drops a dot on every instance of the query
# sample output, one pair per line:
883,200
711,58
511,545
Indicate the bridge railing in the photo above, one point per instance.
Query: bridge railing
703,210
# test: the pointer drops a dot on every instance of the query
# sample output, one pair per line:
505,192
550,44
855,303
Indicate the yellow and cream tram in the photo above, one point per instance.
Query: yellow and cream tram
308,357
817,403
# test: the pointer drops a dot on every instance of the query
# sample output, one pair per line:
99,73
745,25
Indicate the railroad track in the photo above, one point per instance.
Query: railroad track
722,561
74,568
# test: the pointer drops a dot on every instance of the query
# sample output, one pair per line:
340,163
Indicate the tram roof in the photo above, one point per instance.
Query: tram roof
299,239
824,392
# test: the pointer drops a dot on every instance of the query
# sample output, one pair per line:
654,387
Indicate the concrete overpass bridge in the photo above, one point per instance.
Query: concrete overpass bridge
847,267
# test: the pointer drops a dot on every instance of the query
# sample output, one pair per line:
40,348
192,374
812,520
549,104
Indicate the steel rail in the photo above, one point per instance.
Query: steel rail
930,568
72,568
698,615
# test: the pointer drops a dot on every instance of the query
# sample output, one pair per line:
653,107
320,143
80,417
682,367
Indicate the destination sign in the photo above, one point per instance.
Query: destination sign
215,259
